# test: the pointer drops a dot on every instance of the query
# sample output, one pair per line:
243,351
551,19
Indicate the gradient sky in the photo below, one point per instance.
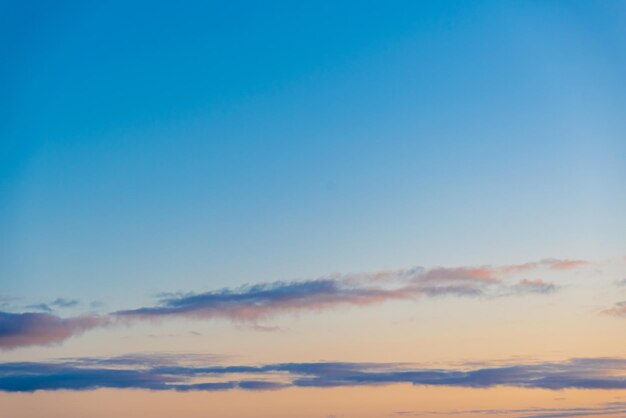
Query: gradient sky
422,185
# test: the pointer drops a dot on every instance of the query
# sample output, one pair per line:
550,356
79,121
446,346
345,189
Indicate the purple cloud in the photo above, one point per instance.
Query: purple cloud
250,304
586,373
31,328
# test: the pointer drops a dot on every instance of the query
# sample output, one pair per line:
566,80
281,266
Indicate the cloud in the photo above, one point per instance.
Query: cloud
40,307
151,374
611,408
57,303
32,328
253,303
64,303
546,263
619,309
534,286
6,300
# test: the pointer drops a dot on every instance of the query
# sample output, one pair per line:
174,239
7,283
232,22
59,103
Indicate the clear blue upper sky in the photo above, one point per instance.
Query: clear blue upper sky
162,146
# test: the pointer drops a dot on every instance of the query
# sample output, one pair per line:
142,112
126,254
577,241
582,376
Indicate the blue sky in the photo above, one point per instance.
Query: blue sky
163,147
344,209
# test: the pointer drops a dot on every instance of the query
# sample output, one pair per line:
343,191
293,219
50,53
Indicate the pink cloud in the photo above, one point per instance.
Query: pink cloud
547,263
618,310
252,303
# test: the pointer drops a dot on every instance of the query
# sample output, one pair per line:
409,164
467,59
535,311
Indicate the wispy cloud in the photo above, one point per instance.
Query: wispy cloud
6,300
152,373
253,303
43,307
611,408
534,286
619,309
57,303
64,303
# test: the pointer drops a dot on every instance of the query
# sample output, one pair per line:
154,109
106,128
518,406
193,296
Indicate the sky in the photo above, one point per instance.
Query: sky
314,209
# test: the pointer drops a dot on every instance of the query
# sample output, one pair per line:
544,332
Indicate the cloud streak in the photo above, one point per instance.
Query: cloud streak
153,374
253,303
611,408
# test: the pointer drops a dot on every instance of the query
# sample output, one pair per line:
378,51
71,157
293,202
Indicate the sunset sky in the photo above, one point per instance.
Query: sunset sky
342,209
